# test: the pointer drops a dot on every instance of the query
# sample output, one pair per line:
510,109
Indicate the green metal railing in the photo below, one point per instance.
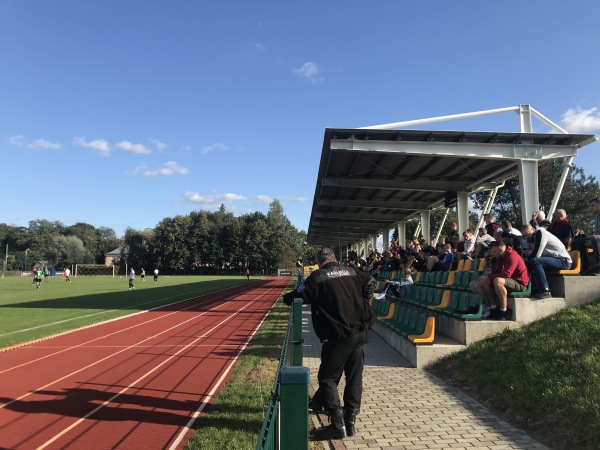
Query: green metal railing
286,423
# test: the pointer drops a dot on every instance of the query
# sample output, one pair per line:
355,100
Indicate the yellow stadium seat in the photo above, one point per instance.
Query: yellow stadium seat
390,313
427,336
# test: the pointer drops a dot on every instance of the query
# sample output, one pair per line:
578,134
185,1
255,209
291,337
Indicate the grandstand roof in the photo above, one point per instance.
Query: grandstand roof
370,179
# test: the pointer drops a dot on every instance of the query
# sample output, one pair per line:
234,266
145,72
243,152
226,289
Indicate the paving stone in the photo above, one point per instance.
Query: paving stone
408,408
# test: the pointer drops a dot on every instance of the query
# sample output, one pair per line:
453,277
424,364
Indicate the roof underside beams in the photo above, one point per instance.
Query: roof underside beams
464,149
370,180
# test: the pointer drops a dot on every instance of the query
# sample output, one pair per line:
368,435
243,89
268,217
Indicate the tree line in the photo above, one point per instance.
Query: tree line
201,242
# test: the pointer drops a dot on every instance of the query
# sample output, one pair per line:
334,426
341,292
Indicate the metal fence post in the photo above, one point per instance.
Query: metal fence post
294,408
297,340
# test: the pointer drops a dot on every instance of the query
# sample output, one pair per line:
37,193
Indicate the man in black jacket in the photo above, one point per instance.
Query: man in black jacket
341,318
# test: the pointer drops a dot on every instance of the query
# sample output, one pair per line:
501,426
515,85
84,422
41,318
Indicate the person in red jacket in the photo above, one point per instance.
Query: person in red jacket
509,274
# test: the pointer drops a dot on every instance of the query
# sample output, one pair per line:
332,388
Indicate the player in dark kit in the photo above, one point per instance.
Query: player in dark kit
341,315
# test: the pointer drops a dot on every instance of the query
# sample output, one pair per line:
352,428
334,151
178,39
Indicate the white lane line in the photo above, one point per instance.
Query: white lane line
224,295
107,357
132,385
215,387
195,294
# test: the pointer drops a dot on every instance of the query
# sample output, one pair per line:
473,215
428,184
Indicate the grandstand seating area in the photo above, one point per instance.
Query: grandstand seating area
442,312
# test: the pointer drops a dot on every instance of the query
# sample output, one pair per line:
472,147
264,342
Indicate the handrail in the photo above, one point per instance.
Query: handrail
270,433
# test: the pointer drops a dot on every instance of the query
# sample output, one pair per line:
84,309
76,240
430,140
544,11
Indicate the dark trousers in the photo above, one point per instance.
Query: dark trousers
337,357
582,244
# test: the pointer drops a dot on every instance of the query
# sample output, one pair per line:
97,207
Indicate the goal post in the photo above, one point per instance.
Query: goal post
94,270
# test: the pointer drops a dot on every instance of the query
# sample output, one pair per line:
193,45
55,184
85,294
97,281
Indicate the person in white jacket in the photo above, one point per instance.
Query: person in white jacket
548,253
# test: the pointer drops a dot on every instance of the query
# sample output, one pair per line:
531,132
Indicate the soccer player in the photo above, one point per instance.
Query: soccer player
131,278
155,275
39,273
143,275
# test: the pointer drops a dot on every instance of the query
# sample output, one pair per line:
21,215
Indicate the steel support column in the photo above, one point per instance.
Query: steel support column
462,211
402,233
426,225
528,183
386,239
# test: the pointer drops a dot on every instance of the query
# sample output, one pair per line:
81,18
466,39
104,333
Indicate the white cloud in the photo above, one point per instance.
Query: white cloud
264,199
166,170
286,198
215,147
581,120
310,71
157,144
130,147
44,144
17,140
100,145
212,201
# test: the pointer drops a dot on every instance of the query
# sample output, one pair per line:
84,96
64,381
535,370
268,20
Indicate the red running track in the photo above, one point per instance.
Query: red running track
134,383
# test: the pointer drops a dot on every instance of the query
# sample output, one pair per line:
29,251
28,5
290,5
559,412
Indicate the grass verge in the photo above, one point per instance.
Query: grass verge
236,417
544,377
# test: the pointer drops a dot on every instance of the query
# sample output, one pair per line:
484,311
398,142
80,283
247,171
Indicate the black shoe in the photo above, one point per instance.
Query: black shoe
493,314
350,422
504,315
497,314
336,430
328,433
543,294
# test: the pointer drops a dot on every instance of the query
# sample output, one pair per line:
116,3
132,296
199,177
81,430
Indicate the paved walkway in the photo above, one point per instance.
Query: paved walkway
408,408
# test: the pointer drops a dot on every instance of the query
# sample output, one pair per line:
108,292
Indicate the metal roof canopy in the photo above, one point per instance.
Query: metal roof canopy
372,178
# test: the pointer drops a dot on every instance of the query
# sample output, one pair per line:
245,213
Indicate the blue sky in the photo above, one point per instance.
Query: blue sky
121,113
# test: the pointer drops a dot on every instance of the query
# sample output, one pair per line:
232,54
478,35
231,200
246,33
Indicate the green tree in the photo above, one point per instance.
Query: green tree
107,242
89,236
65,251
135,251
199,239
283,240
255,241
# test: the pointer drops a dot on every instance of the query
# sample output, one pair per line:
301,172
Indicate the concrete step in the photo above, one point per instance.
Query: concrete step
418,355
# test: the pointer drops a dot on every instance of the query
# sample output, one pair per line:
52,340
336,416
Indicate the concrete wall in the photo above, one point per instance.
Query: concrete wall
452,335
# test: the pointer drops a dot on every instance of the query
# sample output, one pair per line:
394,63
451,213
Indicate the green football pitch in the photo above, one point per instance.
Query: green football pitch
27,313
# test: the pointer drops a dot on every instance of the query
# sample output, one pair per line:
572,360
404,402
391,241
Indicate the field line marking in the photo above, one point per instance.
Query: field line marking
105,358
131,385
112,310
198,411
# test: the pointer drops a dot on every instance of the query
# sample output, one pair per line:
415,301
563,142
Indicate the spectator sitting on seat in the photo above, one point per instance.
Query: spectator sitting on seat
362,263
427,248
375,262
453,237
441,262
482,243
560,227
508,232
386,261
582,242
398,259
469,245
420,263
548,253
401,288
490,225
536,218
509,274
